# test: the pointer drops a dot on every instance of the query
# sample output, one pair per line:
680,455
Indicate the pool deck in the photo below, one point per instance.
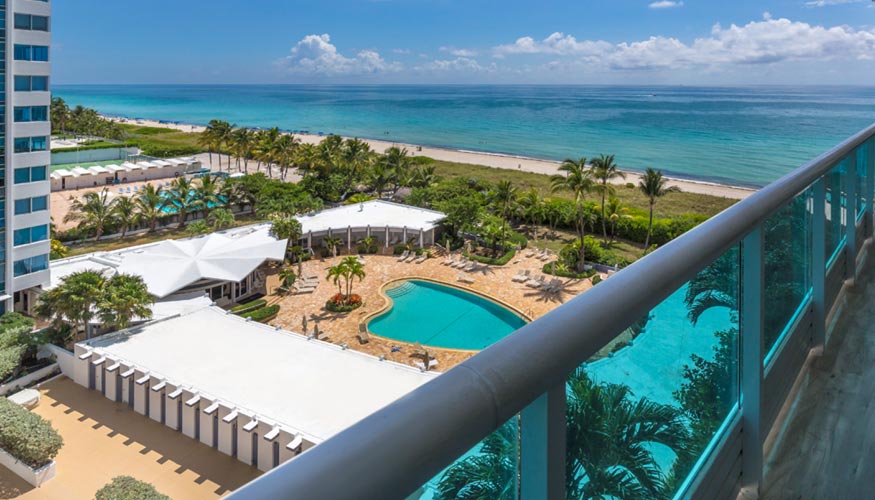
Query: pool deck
490,281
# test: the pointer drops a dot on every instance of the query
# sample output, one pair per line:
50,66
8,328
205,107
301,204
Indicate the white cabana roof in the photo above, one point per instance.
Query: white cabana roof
176,162
80,171
147,165
62,172
309,387
131,166
116,168
162,163
97,169
171,265
376,213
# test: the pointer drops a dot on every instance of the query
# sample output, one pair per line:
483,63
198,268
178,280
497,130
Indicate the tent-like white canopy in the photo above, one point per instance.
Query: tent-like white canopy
147,165
116,168
97,169
376,214
62,172
174,264
176,162
80,171
131,166
162,163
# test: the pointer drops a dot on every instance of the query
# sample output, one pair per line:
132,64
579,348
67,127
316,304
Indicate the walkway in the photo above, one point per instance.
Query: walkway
103,439
828,447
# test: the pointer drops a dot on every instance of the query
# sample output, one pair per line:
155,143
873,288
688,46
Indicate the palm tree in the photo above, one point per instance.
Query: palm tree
604,170
222,218
150,204
352,268
242,141
423,176
332,243
380,177
335,273
266,150
396,161
60,114
180,197
614,211
73,301
126,213
609,439
287,277
503,197
286,149
654,186
206,193
212,137
94,212
306,157
356,154
533,210
125,297
578,180
491,473
286,228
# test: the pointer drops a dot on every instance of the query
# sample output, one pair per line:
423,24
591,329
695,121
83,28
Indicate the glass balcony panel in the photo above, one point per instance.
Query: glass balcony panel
489,470
788,247
835,210
644,411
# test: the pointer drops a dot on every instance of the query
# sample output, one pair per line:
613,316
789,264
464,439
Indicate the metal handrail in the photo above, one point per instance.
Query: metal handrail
394,451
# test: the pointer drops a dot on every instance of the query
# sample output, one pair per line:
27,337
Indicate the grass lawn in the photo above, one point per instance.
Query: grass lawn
671,205
555,240
163,142
170,233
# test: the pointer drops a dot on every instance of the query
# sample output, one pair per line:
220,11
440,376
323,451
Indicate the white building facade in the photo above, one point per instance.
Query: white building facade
26,157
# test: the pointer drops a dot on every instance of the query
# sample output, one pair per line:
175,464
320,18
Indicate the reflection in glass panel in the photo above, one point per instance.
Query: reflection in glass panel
835,228
642,412
489,470
862,155
787,266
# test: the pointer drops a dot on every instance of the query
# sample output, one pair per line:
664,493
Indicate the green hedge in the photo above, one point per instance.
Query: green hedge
548,269
97,145
249,306
499,261
128,488
27,436
263,314
518,239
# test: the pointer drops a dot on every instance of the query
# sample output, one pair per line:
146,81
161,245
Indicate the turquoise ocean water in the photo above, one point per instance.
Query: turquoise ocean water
741,135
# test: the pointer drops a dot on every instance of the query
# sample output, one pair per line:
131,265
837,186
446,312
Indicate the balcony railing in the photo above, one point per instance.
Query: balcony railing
662,381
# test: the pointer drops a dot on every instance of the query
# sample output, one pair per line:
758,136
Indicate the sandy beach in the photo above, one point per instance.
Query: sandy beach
487,159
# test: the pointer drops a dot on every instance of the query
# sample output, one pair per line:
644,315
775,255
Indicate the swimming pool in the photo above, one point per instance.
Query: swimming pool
443,316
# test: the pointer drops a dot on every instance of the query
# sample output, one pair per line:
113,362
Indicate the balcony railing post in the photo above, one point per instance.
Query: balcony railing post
542,446
870,187
818,264
752,300
850,179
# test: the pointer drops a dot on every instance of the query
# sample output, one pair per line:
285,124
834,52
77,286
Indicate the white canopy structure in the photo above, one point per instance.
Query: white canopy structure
62,172
116,168
131,166
375,213
80,171
97,169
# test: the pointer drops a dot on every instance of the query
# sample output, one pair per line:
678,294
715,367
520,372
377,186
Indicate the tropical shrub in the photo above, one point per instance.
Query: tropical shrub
262,314
596,279
570,254
249,306
516,238
399,249
15,341
27,436
341,303
550,268
494,261
128,488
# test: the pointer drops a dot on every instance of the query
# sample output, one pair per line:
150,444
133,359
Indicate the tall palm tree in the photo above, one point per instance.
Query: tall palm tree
356,154
491,473
397,161
124,298
614,211
212,137
286,149
267,150
126,213
150,204
73,301
577,179
604,170
352,268
242,141
335,274
307,157
654,186
181,198
286,228
503,198
532,209
224,137
379,177
94,212
332,242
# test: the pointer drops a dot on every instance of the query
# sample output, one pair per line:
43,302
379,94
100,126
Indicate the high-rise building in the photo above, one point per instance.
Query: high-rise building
24,136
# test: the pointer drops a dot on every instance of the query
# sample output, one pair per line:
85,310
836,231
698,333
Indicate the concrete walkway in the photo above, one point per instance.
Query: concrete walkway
103,439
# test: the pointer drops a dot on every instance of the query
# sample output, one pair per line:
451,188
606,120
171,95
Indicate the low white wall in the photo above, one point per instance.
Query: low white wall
35,477
63,357
22,382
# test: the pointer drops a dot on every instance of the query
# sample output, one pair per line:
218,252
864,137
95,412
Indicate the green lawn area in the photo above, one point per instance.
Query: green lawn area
162,142
673,204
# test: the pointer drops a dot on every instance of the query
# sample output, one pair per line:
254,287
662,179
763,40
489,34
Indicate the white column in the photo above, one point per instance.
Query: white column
172,396
141,392
348,238
190,404
156,399
227,421
310,239
387,236
405,234
421,241
112,380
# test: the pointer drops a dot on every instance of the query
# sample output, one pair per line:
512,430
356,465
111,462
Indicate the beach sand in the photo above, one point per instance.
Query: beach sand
487,159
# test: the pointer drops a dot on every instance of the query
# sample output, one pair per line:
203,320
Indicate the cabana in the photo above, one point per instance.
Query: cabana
102,175
59,179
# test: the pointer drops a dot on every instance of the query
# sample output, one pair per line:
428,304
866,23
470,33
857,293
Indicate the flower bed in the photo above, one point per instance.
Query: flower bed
342,303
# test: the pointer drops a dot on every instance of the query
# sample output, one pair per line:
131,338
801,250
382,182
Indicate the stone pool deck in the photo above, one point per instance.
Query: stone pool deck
492,281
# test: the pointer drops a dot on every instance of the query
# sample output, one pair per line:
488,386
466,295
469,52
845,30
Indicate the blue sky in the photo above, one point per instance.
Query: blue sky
457,41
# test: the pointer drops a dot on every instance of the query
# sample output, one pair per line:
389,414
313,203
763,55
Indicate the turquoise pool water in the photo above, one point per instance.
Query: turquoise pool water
443,316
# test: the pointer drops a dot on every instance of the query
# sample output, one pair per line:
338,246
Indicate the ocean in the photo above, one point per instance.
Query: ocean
744,136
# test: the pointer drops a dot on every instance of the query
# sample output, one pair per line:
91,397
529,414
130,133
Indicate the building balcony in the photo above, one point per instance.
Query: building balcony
682,376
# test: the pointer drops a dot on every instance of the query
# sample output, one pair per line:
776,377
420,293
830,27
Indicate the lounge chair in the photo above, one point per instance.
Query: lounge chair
530,253
421,258
432,364
420,365
121,190
403,255
521,277
128,189
466,279
364,336
360,258
303,289
536,283
410,258
546,255
462,263
451,260
470,267
136,188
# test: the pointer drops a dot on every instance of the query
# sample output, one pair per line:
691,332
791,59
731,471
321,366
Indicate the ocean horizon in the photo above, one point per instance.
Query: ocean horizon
743,136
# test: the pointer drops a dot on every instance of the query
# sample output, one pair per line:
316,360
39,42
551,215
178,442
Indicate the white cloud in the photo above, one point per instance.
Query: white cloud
459,64
767,41
316,55
826,3
459,52
401,51
665,4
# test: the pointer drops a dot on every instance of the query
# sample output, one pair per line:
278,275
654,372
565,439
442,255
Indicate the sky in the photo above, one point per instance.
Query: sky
705,42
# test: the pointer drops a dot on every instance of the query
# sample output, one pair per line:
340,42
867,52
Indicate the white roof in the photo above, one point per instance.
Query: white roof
176,161
80,171
309,387
376,213
116,168
147,164
162,163
97,169
63,172
170,265
131,166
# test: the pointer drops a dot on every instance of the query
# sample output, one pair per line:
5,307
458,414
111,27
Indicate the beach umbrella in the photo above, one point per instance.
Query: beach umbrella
304,323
